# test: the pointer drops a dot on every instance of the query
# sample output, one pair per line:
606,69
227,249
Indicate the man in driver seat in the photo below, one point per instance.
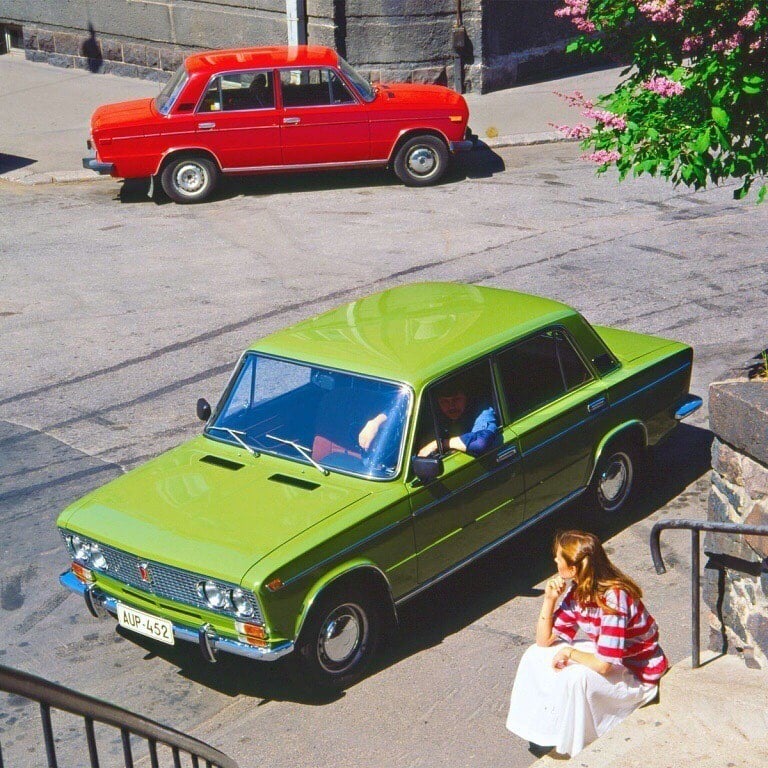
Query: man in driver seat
469,430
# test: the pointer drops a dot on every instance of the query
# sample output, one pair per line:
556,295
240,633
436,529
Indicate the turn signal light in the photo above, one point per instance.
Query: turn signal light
82,573
274,585
252,633
455,118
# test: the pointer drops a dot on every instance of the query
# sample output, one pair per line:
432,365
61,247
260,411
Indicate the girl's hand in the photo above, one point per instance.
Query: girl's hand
555,587
562,658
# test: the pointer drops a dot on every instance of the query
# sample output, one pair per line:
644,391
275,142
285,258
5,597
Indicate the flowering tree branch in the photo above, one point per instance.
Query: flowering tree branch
693,104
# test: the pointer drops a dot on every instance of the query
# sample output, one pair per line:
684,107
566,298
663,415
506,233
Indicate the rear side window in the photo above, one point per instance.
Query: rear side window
313,87
239,90
539,370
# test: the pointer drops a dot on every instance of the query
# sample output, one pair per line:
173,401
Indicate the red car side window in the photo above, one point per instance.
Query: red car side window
233,91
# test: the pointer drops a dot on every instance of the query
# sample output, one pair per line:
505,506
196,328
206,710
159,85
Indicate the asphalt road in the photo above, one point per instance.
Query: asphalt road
118,312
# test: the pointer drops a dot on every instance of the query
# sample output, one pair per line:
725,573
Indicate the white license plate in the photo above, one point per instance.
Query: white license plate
145,624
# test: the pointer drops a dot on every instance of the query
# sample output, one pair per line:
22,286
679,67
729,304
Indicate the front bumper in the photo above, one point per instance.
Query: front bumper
99,603
92,163
467,145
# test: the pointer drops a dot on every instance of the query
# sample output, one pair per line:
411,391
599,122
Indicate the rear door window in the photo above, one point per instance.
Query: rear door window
539,370
235,91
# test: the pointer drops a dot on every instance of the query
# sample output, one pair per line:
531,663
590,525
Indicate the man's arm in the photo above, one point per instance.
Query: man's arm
483,435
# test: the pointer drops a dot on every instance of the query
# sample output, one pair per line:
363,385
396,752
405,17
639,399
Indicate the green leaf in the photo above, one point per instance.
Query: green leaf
572,46
703,142
761,193
720,116
751,89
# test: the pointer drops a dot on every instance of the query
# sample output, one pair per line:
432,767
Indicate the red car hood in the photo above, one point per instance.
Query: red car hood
402,94
123,114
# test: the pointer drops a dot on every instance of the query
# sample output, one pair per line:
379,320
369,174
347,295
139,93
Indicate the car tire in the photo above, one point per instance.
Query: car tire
421,161
339,639
617,476
189,179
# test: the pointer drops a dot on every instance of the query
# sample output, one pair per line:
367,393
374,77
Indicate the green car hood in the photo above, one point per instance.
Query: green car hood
210,508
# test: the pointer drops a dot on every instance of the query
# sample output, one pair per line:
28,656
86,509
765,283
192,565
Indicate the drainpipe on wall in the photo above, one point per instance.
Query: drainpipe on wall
296,17
459,40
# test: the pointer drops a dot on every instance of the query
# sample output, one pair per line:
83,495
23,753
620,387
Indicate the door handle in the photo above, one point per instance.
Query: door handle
598,404
291,120
206,126
506,453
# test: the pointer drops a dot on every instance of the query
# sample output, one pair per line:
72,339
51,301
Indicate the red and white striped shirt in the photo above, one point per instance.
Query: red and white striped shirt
629,637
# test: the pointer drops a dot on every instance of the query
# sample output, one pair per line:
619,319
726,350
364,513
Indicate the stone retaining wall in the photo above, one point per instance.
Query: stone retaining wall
738,412
391,40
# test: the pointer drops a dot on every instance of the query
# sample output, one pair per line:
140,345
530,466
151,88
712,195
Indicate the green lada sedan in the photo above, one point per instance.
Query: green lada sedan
358,457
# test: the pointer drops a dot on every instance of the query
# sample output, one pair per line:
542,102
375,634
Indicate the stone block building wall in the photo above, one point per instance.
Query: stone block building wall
737,595
397,40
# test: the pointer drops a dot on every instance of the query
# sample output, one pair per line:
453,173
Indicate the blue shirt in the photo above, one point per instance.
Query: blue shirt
480,435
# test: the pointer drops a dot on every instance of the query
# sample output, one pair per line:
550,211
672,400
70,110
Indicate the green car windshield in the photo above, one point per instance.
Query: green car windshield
314,415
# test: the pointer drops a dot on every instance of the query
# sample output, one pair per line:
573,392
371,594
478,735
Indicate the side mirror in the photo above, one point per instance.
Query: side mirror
427,468
203,409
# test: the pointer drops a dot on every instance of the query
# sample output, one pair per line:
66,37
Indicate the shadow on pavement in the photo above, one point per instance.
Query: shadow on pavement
483,162
14,162
450,606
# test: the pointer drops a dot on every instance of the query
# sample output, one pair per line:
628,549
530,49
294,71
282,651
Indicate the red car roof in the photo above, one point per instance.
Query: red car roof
272,56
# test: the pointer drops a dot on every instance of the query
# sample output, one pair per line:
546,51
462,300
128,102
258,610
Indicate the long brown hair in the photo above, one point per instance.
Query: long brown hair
595,573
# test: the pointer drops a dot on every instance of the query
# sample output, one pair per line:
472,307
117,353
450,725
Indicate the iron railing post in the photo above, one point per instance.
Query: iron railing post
695,599
695,527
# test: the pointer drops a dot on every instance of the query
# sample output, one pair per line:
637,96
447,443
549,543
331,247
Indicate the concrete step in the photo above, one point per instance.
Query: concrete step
715,716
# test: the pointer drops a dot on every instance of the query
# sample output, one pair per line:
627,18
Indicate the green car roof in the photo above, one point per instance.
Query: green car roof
414,333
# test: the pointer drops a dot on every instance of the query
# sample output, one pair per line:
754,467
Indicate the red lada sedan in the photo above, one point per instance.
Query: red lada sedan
276,109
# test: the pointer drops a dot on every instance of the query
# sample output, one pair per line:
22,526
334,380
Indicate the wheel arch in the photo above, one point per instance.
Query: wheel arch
172,154
633,431
357,572
409,133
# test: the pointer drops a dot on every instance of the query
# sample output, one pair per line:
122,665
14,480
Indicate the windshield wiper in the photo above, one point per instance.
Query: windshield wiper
239,439
302,450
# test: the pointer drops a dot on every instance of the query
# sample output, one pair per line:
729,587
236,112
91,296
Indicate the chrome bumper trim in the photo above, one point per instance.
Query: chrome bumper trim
461,146
93,596
689,405
92,164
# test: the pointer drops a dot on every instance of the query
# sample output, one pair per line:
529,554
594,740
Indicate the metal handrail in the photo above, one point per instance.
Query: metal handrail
51,695
695,527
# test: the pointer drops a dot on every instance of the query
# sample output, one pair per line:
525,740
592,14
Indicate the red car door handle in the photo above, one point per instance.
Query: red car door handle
291,120
206,126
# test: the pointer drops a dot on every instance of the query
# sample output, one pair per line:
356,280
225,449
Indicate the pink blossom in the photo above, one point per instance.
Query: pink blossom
576,11
663,86
757,44
575,99
693,43
749,18
603,156
662,11
729,44
578,131
608,119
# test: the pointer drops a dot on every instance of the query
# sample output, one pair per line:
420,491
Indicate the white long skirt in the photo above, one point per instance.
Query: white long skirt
569,708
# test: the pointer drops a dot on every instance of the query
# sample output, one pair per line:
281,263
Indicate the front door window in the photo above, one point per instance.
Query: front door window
312,87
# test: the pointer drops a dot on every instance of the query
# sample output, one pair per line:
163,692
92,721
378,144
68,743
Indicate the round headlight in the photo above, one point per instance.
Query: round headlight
213,594
97,558
81,550
241,602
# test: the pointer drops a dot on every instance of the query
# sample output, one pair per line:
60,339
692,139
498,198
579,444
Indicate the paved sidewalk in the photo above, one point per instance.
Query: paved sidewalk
711,717
46,114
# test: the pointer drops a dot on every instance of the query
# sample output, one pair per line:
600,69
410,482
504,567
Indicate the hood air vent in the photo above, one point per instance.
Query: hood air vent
295,482
217,461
